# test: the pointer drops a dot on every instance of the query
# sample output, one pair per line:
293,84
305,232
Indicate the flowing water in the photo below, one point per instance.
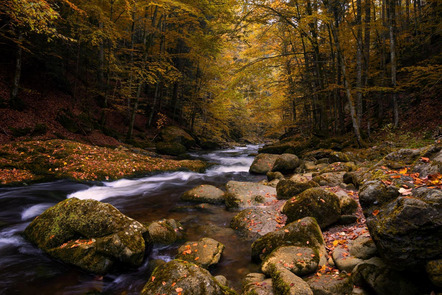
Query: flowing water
24,269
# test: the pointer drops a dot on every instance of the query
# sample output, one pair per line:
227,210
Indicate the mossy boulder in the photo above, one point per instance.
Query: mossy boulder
290,147
329,178
178,276
205,252
274,175
355,178
164,231
374,194
343,260
315,202
263,163
407,230
170,148
257,284
287,283
331,155
286,163
347,204
204,194
243,195
434,271
338,167
299,260
301,233
89,234
289,188
331,284
375,275
176,135
253,223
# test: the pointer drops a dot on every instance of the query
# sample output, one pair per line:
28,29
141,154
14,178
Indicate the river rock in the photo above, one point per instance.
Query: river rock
204,194
355,178
282,148
289,188
286,163
347,204
205,252
432,166
253,223
339,167
287,283
299,260
175,134
263,163
343,260
89,234
170,148
302,233
434,271
407,230
274,175
331,155
315,202
242,195
330,284
363,247
375,275
257,284
183,277
329,178
222,280
164,231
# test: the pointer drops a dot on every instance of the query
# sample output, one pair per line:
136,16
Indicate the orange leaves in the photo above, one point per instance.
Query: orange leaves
375,212
425,159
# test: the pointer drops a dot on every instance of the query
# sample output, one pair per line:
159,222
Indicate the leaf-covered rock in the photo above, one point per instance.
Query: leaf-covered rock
299,260
89,234
242,195
205,252
164,231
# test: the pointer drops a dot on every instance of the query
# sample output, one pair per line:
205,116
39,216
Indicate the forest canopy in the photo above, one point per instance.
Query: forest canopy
230,68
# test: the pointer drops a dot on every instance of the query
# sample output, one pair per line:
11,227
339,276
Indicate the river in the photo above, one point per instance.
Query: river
24,269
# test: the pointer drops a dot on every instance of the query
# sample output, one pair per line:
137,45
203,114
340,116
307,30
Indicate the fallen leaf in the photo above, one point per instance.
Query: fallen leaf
375,212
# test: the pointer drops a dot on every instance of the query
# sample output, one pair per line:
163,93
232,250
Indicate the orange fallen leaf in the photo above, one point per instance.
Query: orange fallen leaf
196,258
179,290
375,212
153,278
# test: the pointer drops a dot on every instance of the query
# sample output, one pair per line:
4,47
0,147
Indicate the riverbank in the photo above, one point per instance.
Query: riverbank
34,161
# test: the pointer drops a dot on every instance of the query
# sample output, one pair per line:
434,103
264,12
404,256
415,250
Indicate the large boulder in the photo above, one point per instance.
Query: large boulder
205,252
257,284
279,148
178,276
286,163
330,284
263,163
299,260
204,194
164,231
407,230
287,283
343,260
89,234
288,188
176,135
253,223
242,195
301,233
315,202
170,148
329,178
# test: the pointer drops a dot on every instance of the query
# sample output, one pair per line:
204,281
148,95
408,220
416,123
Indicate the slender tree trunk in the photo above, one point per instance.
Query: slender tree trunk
393,61
18,66
359,60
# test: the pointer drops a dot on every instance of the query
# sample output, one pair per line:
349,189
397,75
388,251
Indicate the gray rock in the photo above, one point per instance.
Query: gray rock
287,283
299,260
253,223
329,178
274,175
315,202
264,287
164,231
204,194
288,188
222,280
243,195
363,247
205,252
331,284
286,163
263,163
343,260
187,278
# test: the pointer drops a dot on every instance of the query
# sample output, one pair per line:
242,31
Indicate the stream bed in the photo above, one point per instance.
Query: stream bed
24,269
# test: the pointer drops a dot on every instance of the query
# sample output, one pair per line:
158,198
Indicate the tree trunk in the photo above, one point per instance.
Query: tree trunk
17,74
393,61
359,59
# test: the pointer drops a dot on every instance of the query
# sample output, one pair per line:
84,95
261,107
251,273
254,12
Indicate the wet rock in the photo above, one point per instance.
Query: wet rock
407,230
343,260
253,278
205,252
261,287
170,148
89,234
287,283
263,163
288,188
215,232
222,280
253,223
164,231
299,260
315,202
242,195
331,284
204,194
329,179
363,247
374,194
286,163
376,276
183,277
173,134
302,233
434,271
274,175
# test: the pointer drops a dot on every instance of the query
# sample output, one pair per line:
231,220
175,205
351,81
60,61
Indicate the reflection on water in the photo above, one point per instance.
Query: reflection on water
25,269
